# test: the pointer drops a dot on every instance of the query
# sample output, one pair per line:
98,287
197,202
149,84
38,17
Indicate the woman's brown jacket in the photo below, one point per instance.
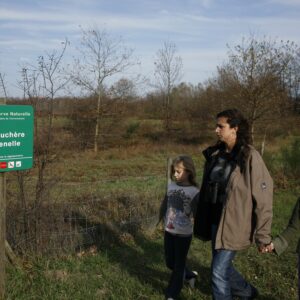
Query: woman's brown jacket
247,211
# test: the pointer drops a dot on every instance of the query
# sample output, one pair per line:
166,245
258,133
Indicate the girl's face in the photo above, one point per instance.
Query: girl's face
180,174
224,132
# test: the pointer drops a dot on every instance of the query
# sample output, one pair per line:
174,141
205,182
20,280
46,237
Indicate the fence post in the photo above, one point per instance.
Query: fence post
2,212
168,173
2,233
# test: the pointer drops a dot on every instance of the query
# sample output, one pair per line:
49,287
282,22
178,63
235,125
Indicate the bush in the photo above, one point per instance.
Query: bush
290,157
284,165
131,129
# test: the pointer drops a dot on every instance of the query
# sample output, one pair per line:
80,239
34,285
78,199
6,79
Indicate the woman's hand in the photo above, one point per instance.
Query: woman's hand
266,248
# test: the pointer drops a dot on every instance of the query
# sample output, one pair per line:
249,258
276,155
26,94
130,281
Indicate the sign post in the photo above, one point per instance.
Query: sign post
16,153
16,137
2,233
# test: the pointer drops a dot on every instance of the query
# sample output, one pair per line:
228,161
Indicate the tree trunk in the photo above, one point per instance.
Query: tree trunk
23,200
168,113
263,144
252,132
98,119
253,117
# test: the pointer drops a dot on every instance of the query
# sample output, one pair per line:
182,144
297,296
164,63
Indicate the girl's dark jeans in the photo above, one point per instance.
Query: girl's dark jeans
176,250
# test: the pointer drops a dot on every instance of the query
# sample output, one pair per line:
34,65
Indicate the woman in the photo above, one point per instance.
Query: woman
235,203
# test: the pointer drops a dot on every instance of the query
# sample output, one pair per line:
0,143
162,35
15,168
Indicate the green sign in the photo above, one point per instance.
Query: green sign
16,137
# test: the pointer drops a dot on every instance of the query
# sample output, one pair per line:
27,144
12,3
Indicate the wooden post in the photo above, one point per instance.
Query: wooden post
2,232
2,216
168,181
11,256
169,175
263,144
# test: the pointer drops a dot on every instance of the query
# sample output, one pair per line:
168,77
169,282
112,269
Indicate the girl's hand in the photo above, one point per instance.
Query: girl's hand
266,248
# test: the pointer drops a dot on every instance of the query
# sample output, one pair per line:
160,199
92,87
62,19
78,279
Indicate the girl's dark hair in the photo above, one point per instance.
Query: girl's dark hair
243,138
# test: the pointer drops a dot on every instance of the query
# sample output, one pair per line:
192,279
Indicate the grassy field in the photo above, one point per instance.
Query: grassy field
132,266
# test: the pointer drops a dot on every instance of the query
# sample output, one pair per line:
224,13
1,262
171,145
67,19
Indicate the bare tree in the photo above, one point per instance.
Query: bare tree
291,78
255,78
3,86
168,71
123,89
41,82
102,56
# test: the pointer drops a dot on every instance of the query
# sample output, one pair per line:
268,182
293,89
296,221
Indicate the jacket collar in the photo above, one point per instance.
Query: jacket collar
210,152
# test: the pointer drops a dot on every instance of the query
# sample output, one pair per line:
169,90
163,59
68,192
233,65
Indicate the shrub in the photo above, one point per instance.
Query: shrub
131,129
284,165
290,157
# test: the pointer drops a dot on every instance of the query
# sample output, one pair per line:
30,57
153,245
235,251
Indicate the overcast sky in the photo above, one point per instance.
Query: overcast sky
199,28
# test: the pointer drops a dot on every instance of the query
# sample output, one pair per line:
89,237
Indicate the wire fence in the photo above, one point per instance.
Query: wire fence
56,228
66,231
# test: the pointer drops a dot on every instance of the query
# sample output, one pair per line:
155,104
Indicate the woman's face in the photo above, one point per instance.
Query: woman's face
224,132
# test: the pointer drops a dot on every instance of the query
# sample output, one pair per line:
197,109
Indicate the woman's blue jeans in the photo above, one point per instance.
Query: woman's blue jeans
226,281
298,276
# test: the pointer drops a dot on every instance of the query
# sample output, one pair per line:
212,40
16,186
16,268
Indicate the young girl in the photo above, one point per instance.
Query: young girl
178,208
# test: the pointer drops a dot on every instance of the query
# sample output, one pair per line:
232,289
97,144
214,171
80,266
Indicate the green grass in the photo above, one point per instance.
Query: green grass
138,171
134,268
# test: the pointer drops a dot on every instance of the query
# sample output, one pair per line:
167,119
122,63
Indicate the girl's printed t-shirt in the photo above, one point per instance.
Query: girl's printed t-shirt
181,205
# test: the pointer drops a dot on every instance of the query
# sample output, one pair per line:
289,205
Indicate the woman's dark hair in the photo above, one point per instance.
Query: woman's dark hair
236,119
243,138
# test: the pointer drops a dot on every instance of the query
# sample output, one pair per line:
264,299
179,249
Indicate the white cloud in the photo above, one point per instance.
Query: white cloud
287,2
30,44
32,27
195,26
181,23
200,3
19,15
61,21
